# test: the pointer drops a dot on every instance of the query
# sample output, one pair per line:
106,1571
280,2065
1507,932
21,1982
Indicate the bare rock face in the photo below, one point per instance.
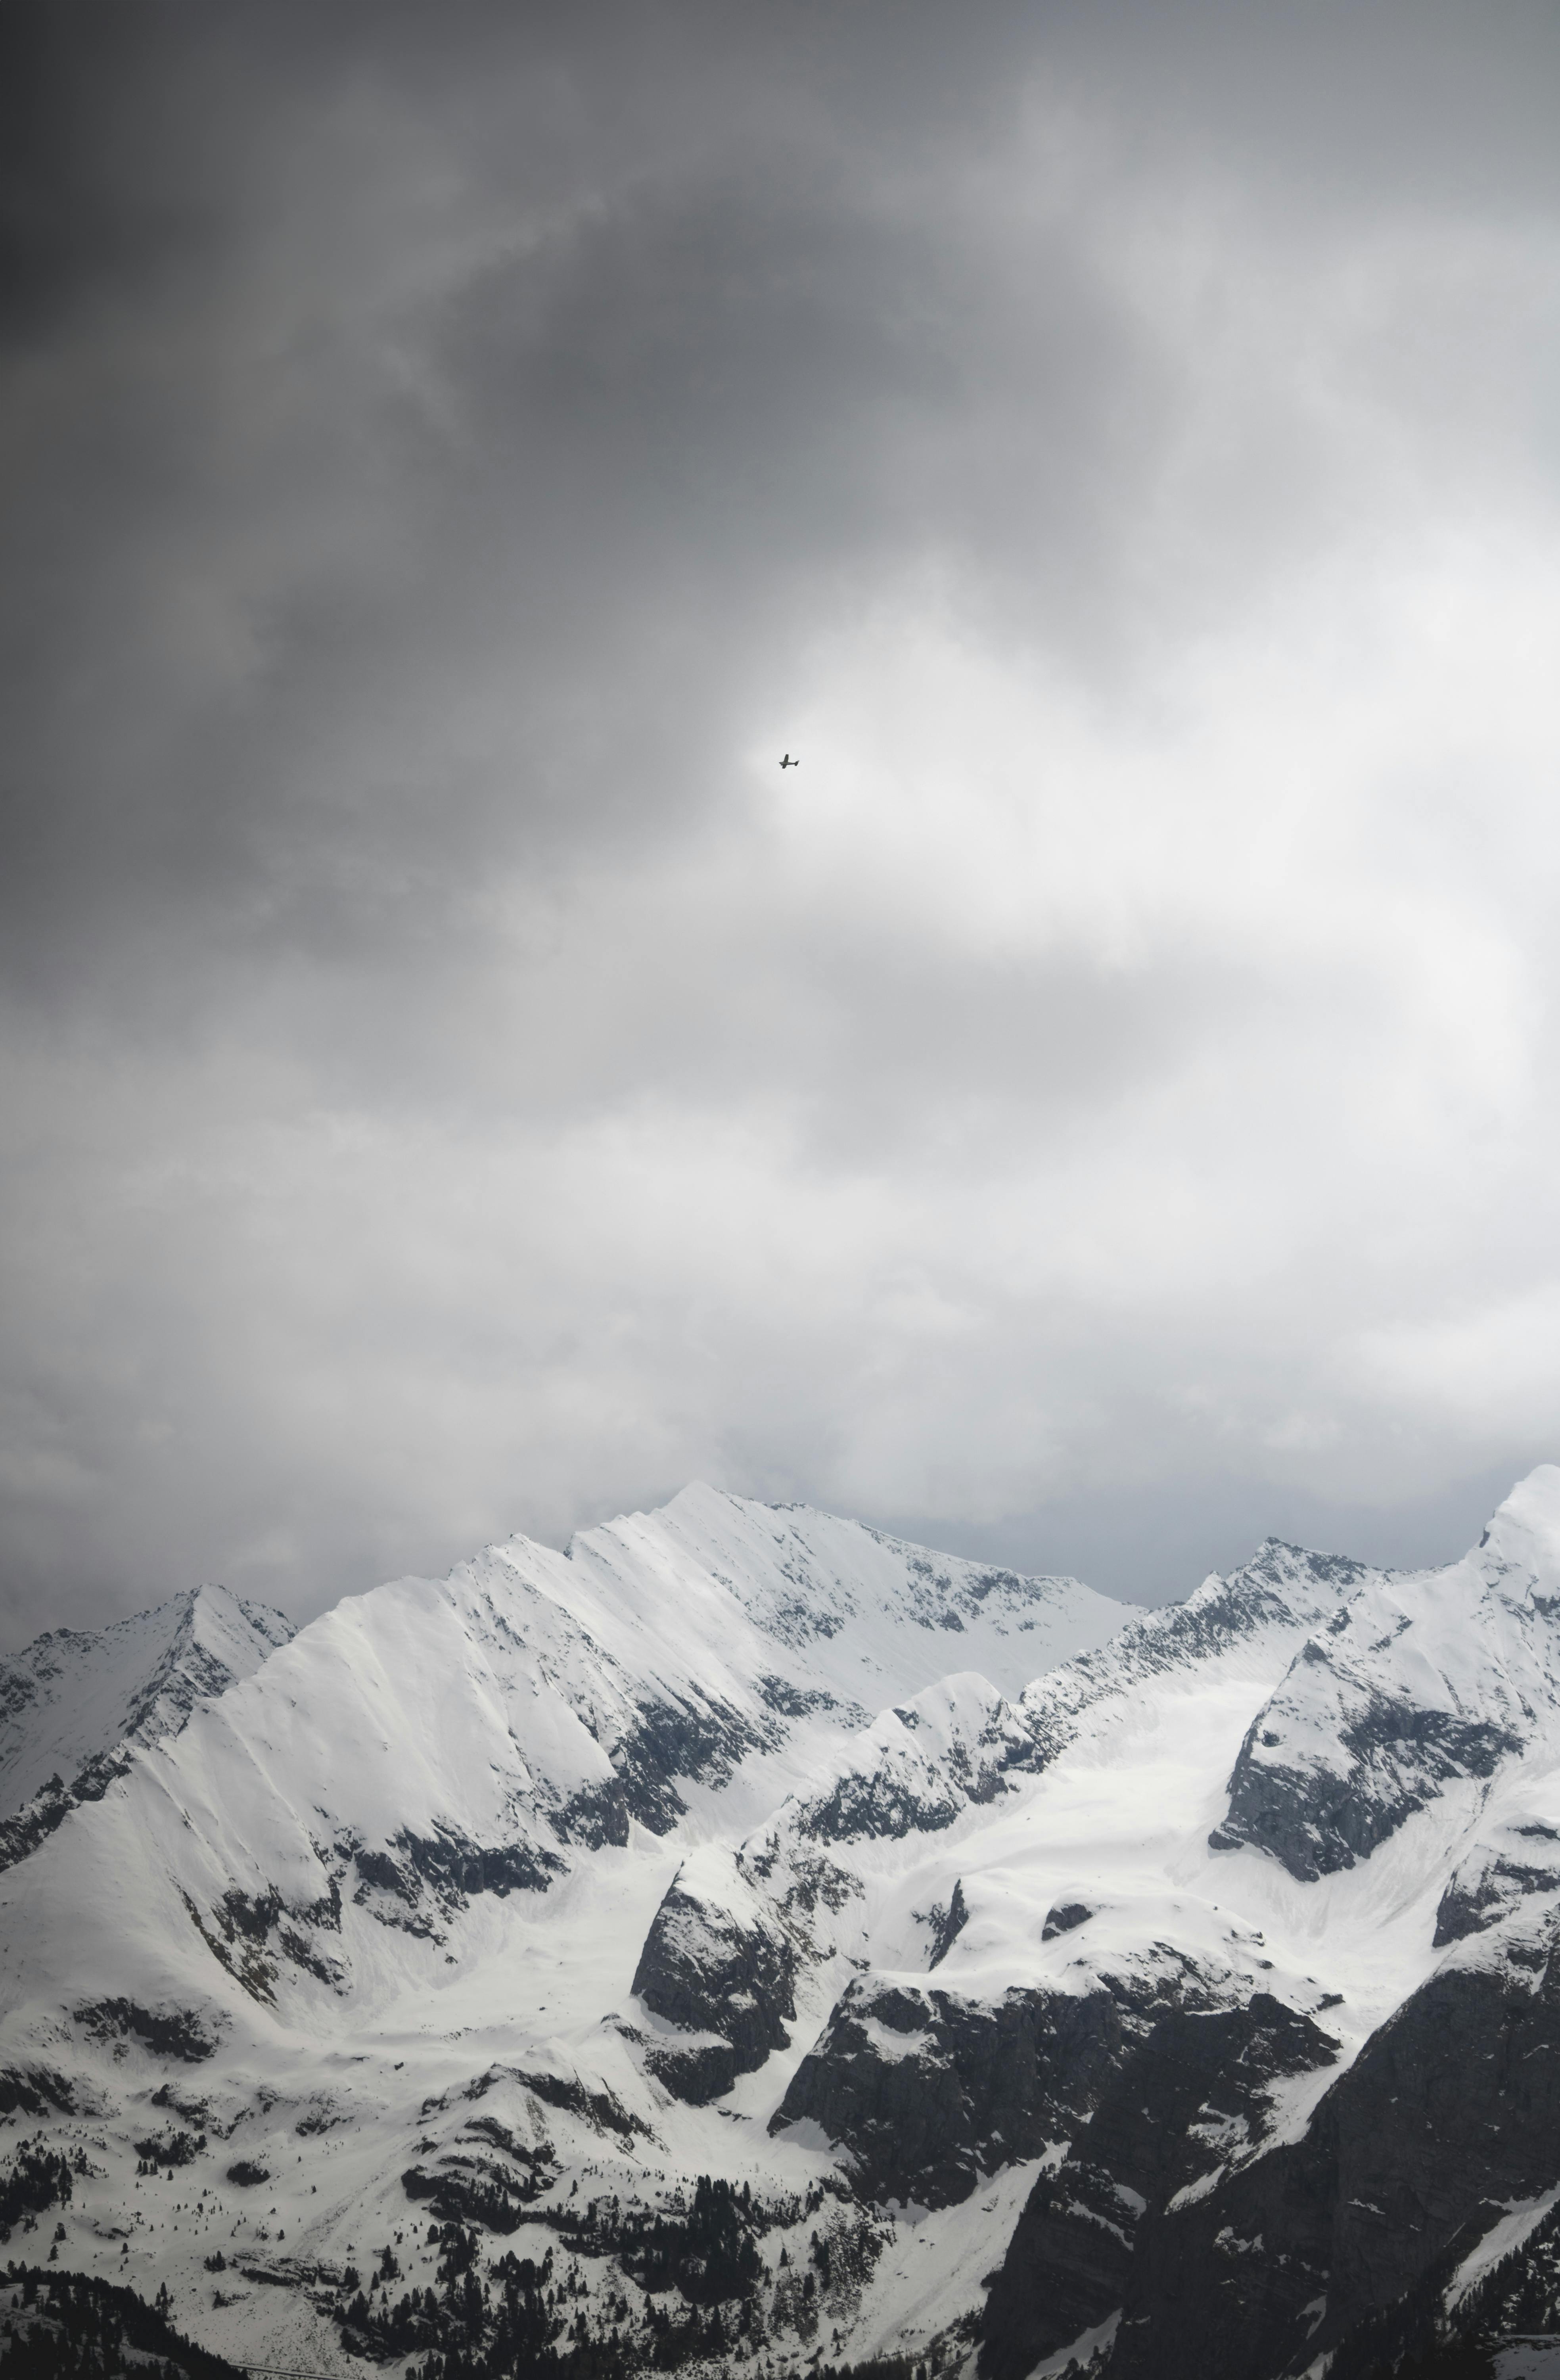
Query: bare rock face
1494,1881
1450,2113
948,1923
928,2091
1419,1680
1194,2093
724,1978
1385,1758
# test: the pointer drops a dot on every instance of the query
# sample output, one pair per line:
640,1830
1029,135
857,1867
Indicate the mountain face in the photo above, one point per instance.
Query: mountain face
73,1705
745,1937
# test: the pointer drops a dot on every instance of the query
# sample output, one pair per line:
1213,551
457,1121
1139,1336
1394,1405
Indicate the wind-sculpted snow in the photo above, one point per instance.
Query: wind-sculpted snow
760,1933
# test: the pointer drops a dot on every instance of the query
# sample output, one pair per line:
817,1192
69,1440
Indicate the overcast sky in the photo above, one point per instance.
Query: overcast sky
1101,1107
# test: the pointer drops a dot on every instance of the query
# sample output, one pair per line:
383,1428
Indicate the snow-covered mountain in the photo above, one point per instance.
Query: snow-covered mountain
74,1702
1029,1978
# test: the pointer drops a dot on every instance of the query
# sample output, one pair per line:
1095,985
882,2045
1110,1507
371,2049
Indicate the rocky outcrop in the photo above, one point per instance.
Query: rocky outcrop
948,1923
927,2090
695,2067
167,2032
1490,1885
676,1738
1196,2092
1449,2116
1319,1807
723,1976
918,1766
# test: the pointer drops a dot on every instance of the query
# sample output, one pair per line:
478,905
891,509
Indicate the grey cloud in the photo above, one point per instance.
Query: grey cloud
449,1086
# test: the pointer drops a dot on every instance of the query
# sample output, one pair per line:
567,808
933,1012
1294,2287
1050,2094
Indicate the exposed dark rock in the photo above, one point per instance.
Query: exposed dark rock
1190,2095
699,1741
1488,1888
928,2091
253,1919
1280,1582
877,1806
453,1864
453,1867
320,2117
34,2091
1063,1918
891,1798
1064,2272
948,1925
695,2067
302,1952
704,1970
813,1878
159,1707
382,1874
53,1803
475,2189
1451,2112
599,2108
1393,1757
795,1702
174,2032
244,1959
1519,2296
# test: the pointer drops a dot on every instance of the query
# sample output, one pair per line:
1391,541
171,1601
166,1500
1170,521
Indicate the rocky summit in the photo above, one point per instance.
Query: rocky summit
746,1938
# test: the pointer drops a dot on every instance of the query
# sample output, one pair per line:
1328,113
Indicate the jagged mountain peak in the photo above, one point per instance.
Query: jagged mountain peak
431,1743
802,1577
895,1892
1420,1681
1522,1541
74,1695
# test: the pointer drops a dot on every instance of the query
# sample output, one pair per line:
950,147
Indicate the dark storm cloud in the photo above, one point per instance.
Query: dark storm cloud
448,454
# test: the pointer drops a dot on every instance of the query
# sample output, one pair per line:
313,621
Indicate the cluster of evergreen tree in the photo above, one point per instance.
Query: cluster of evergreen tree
709,2256
489,2197
1416,2339
72,2326
529,2319
466,2330
1521,2295
39,2178
174,2149
696,2335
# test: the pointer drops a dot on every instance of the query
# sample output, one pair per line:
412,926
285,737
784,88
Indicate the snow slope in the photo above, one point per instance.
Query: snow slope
963,1917
70,1698
438,1824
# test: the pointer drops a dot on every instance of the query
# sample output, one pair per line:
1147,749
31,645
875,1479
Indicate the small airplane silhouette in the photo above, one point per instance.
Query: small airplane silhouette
788,763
